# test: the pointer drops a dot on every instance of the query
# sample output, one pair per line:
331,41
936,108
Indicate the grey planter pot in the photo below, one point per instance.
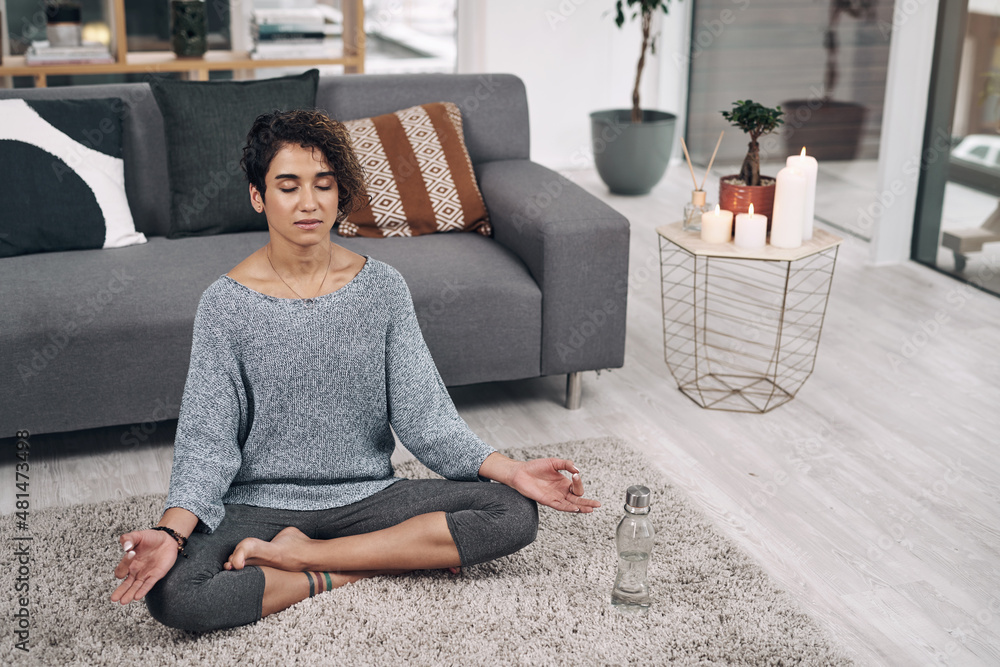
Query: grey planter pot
631,158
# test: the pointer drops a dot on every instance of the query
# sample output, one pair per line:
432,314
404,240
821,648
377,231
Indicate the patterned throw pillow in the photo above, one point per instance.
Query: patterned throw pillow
420,177
63,186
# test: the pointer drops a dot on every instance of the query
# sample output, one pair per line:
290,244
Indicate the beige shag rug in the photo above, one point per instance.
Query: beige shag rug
548,604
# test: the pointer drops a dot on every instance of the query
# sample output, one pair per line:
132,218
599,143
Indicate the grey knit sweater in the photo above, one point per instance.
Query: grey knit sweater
289,405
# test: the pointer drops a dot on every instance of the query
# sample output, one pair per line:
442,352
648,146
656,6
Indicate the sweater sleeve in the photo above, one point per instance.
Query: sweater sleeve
207,454
420,409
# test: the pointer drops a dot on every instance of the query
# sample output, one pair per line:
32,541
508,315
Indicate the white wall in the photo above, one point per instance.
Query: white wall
911,55
573,60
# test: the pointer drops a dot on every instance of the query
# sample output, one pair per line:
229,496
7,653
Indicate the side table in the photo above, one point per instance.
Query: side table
741,328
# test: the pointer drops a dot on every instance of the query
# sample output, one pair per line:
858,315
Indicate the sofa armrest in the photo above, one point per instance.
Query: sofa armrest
576,248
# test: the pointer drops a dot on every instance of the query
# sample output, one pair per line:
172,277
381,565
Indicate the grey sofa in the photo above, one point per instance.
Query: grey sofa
546,295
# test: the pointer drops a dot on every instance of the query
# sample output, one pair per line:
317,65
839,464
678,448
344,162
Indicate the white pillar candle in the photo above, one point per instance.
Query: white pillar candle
716,226
751,230
810,169
787,220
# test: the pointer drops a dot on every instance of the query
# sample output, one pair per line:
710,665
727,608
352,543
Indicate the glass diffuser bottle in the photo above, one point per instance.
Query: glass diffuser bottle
694,209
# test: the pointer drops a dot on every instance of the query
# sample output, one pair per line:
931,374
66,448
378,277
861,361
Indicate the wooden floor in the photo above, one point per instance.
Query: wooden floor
873,497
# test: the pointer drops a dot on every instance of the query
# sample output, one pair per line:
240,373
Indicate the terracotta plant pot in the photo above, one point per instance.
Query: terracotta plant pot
737,198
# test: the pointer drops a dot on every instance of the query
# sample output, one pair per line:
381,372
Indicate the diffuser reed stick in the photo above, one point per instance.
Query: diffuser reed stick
710,162
690,168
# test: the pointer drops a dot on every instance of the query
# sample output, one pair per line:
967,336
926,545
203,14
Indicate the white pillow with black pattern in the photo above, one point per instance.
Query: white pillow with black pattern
63,186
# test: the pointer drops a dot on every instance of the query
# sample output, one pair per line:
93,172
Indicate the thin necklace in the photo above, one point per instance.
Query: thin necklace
308,302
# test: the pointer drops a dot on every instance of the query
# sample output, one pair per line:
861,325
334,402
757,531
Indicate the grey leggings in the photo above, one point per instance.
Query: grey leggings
487,521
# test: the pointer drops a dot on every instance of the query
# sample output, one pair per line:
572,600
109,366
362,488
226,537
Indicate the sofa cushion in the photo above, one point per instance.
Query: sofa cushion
65,189
206,124
112,344
420,178
479,308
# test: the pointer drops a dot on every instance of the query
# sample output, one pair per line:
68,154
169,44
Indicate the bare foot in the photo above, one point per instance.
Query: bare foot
280,553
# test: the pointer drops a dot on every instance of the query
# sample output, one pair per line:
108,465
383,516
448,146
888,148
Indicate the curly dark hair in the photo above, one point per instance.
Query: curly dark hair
309,129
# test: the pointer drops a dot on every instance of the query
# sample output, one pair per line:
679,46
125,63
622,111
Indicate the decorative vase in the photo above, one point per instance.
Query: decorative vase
63,24
737,198
630,157
829,130
188,28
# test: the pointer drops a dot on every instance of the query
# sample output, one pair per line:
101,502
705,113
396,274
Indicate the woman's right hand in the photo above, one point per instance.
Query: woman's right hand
149,555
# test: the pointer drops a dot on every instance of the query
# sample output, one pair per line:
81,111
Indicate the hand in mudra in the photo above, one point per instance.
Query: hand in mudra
149,555
542,480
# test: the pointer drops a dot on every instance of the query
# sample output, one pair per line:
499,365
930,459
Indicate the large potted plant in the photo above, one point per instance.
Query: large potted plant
632,147
738,191
831,129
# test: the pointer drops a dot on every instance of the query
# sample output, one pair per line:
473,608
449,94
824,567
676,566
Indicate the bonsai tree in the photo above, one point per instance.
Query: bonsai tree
756,120
645,10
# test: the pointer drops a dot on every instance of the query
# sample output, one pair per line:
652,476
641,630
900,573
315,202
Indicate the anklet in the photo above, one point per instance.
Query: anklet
312,586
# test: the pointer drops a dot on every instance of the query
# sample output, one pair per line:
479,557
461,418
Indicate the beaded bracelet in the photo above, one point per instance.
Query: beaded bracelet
181,540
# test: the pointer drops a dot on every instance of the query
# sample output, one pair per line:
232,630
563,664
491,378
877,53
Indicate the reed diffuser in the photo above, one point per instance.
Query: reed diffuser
697,206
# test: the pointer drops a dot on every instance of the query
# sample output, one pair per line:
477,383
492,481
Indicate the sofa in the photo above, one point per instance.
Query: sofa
94,338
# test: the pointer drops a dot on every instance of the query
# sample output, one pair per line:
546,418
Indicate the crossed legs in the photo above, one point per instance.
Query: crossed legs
254,564
423,542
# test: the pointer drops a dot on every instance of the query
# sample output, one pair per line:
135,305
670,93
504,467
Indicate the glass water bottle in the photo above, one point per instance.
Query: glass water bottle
634,539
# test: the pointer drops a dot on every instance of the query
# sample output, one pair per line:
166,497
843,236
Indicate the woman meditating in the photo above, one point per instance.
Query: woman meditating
303,357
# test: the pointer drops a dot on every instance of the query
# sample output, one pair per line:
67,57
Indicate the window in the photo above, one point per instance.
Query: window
957,229
825,62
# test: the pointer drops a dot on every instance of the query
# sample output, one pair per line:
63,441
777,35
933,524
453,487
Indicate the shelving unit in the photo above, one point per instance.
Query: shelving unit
353,58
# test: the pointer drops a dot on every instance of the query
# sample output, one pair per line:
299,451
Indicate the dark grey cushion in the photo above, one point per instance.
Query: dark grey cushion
206,125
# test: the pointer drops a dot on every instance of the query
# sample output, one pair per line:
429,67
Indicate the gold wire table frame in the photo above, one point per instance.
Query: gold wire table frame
741,328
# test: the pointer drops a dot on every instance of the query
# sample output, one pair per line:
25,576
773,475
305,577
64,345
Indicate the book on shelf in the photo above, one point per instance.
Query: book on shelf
42,53
282,51
275,31
299,37
294,33
319,15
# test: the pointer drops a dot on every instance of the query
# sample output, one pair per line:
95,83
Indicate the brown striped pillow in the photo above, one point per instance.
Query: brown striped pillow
420,177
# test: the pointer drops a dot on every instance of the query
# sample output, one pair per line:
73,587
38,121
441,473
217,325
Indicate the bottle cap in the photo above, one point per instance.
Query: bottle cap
637,499
698,197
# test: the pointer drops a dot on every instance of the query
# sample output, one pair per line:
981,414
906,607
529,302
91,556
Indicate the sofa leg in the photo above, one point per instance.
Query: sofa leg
574,390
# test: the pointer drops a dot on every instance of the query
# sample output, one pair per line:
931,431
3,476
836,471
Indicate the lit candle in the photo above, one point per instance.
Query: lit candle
751,230
810,168
716,226
787,220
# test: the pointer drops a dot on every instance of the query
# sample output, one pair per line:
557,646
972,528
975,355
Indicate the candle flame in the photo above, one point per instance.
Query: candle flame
751,210
803,151
717,209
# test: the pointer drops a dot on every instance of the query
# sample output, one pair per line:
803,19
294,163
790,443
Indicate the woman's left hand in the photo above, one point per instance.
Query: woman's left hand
542,480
